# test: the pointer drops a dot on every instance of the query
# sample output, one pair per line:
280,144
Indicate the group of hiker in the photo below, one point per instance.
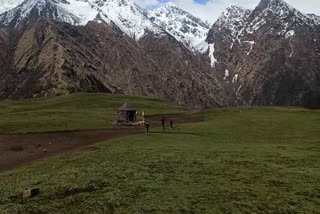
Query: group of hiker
163,123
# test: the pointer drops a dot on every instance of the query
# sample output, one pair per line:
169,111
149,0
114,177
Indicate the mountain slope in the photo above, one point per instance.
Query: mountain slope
272,58
49,58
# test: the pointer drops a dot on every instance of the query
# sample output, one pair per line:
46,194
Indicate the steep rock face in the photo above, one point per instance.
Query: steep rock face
5,58
50,58
11,80
186,28
38,60
272,59
65,59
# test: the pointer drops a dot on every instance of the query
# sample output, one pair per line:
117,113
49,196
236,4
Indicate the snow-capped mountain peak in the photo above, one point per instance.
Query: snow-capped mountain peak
33,9
186,28
125,14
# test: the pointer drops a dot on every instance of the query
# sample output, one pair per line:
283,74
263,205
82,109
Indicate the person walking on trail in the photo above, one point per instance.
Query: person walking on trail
142,113
147,127
171,122
163,122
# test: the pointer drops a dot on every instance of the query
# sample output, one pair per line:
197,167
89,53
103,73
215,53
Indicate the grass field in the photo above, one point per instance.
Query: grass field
242,160
72,112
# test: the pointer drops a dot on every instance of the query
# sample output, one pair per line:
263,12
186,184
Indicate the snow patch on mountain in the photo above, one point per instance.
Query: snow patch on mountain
81,9
202,47
251,43
289,34
235,78
226,74
211,55
186,28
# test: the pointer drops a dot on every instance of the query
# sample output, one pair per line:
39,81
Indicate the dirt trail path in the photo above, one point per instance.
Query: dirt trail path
20,149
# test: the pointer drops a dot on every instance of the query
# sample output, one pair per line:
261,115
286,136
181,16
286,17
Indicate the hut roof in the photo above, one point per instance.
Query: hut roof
125,107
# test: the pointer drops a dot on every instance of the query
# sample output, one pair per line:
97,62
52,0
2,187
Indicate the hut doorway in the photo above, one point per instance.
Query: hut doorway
126,114
132,116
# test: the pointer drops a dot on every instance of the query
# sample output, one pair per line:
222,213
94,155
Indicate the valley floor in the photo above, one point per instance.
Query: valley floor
240,160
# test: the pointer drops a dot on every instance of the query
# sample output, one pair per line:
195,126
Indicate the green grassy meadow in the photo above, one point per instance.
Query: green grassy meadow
239,160
73,112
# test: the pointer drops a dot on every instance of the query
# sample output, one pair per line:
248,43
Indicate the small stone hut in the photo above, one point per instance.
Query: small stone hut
126,114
